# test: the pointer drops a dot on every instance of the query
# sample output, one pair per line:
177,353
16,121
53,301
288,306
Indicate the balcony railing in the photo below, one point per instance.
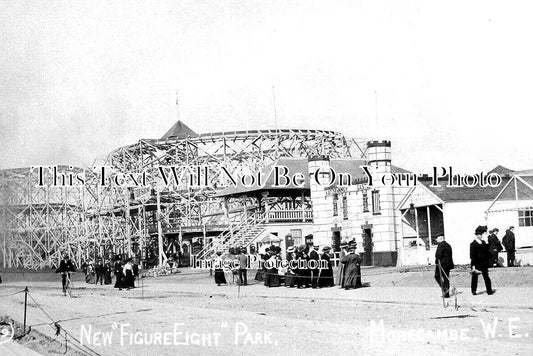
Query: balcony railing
296,215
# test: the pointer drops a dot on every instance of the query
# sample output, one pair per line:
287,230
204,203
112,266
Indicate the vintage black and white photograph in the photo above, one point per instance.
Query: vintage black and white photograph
266,177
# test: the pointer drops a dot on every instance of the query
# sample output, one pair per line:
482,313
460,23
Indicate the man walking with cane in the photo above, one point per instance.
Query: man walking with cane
444,264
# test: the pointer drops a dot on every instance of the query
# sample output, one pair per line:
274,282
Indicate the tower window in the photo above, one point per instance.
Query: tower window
365,202
376,208
335,205
344,208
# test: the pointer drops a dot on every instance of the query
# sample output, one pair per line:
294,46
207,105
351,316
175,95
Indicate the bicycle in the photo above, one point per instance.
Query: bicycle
68,285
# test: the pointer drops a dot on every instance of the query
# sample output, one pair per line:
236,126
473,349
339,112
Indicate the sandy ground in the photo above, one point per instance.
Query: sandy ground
400,312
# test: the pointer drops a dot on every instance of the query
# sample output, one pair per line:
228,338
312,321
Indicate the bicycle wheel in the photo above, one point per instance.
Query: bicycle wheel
69,288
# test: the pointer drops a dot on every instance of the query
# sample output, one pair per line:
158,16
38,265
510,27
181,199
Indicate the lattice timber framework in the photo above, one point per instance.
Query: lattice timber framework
99,220
233,150
41,218
36,223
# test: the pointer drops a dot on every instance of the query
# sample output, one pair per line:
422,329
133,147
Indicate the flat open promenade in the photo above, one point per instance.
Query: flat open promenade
398,312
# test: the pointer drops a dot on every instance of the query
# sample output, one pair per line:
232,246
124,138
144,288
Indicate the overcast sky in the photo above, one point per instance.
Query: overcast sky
454,79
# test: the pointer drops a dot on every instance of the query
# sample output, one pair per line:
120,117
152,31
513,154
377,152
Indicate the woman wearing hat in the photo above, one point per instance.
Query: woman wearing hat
303,275
90,274
108,269
326,275
119,276
261,271
127,271
219,272
272,277
352,266
344,251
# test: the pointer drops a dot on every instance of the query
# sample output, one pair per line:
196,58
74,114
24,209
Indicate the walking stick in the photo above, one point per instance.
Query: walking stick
452,290
441,271
142,287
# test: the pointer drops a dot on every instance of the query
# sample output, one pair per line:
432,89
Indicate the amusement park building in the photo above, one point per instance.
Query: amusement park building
166,218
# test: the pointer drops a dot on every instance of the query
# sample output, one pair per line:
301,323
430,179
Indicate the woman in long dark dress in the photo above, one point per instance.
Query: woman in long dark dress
90,274
219,272
119,276
261,271
272,277
107,272
303,275
290,276
344,247
352,262
326,275
127,271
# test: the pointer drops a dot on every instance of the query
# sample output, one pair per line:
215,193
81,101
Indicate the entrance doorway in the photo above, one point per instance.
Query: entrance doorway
367,246
185,255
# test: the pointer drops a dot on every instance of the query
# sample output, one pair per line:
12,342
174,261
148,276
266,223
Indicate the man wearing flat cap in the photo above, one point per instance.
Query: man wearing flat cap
480,259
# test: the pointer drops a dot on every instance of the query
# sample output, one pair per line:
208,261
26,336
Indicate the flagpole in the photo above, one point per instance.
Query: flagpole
177,105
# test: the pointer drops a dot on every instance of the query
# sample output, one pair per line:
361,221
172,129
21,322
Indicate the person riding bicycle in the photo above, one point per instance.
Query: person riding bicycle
65,267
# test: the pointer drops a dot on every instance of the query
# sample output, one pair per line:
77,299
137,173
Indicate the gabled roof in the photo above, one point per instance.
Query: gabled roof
523,189
501,170
178,131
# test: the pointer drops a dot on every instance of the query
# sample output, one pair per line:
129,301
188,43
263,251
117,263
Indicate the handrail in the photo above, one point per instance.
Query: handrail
288,215
233,233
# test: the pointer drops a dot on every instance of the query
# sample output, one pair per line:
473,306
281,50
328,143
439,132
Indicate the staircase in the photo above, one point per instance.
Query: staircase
239,234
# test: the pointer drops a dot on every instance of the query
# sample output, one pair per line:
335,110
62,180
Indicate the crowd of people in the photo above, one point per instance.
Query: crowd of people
124,270
303,267
308,267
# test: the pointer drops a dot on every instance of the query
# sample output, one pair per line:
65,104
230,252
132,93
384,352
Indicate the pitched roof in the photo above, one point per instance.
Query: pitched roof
396,169
523,172
523,191
457,194
501,170
179,130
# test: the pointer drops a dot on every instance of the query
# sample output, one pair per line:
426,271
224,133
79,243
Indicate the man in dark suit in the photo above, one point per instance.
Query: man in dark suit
494,246
99,269
480,258
314,256
509,244
243,266
444,264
